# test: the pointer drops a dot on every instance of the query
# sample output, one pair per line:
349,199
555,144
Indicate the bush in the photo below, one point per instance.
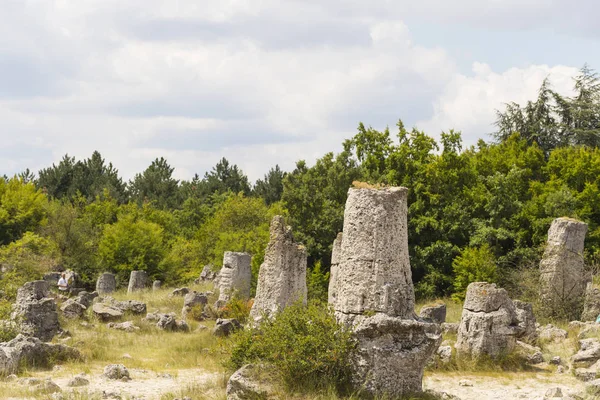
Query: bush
238,309
306,346
473,265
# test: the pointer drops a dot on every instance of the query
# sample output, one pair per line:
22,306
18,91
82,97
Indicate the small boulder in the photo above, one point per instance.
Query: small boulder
588,354
243,385
78,381
191,300
553,334
445,354
126,326
553,393
86,298
105,312
116,372
179,292
72,309
450,327
225,327
156,285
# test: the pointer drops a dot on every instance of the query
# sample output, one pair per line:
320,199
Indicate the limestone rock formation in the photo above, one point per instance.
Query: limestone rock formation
78,381
235,277
591,305
551,333
526,320
282,275
374,294
225,327
106,283
244,385
35,311
167,322
127,326
24,350
179,292
191,300
138,280
106,312
207,274
435,313
156,285
392,353
489,324
336,251
116,371
562,279
72,309
86,299
374,273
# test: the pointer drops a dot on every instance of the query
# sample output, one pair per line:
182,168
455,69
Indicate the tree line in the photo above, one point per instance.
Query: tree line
476,213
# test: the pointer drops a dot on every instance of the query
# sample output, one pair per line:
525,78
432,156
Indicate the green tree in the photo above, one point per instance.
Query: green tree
22,209
473,265
271,187
156,185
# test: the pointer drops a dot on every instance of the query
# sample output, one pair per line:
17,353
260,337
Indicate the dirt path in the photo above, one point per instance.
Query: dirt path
502,386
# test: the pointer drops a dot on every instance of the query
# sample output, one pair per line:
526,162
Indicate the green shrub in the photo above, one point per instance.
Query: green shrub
473,265
238,309
318,283
306,346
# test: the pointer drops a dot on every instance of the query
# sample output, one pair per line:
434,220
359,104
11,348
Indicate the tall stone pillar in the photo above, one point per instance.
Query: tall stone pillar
282,275
375,296
562,279
106,283
333,270
236,277
137,281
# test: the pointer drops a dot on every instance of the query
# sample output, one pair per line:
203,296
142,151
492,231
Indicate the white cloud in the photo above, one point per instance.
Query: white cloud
259,82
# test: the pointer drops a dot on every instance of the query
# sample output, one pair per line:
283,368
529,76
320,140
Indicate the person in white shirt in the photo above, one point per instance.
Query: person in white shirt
62,283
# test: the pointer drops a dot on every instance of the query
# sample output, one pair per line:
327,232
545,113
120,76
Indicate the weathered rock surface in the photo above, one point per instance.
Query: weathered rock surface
374,277
591,305
156,285
106,283
24,350
450,327
225,327
106,312
78,381
526,320
562,280
235,277
167,322
489,324
588,354
72,309
392,353
138,280
374,273
282,275
207,274
552,334
191,300
179,292
435,313
86,299
127,326
243,385
116,371
336,252
130,306
35,312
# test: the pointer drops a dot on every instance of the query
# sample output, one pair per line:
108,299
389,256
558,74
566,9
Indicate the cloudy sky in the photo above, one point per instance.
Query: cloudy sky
265,82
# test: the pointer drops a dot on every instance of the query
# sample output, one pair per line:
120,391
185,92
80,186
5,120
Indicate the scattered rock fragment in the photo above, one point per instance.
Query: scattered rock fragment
106,312
78,381
435,313
225,327
127,326
116,372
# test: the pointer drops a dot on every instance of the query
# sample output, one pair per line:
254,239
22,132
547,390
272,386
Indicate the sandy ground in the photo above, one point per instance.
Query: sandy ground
144,385
506,386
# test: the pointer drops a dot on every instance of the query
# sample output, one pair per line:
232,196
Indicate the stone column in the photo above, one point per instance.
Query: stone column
35,312
236,277
374,295
282,275
562,279
156,285
106,283
137,281
336,251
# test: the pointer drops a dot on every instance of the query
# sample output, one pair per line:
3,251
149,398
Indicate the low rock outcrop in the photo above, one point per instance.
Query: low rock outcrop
31,351
167,322
127,326
116,372
72,309
243,385
179,292
106,312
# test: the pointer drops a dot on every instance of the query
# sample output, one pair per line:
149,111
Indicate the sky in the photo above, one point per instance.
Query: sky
267,82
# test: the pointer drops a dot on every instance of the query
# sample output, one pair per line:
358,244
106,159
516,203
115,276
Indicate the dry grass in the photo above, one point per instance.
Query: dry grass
366,185
453,308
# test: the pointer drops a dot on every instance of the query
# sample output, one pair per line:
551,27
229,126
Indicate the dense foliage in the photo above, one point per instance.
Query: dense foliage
474,213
